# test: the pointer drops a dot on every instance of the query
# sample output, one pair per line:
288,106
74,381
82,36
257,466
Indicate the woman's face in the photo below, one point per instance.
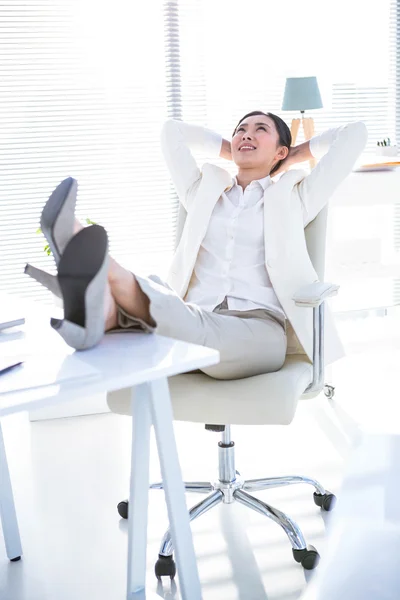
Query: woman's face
256,143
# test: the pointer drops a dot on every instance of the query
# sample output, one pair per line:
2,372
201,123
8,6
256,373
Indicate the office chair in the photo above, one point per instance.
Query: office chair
268,399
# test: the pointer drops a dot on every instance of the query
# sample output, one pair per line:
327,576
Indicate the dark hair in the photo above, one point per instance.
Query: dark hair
285,137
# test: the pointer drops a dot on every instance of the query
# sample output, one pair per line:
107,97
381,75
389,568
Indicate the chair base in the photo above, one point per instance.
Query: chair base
229,488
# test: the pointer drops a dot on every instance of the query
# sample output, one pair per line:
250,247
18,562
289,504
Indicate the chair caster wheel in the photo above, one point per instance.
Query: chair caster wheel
308,557
329,391
16,559
122,509
165,567
325,501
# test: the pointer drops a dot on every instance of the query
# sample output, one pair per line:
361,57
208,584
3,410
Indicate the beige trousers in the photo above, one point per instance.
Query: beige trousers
249,342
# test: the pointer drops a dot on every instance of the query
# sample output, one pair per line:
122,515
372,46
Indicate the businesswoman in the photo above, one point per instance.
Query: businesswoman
241,255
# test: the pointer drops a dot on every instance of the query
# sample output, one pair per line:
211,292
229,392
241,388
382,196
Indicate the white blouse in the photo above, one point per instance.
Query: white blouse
231,259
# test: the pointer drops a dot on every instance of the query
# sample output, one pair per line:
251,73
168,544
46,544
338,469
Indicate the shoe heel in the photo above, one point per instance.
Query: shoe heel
45,279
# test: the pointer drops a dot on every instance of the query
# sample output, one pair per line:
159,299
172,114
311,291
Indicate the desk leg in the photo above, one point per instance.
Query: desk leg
7,507
139,492
174,491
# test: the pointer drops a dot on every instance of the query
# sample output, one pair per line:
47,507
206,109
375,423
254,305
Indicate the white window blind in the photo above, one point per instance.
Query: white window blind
83,92
395,64
85,87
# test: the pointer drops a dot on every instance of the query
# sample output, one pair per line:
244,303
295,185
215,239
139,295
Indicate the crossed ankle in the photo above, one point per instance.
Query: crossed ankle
129,296
112,320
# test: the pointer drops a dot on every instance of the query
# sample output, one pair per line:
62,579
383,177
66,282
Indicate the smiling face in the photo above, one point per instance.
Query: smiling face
255,144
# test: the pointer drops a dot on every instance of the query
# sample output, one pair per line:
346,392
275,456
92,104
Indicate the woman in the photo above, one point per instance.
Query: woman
242,254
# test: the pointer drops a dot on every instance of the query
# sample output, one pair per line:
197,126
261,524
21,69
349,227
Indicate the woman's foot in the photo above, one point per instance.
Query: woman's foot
115,271
110,306
122,290
82,277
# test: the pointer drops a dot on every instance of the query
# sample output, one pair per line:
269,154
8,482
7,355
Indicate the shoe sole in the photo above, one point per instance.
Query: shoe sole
52,210
81,261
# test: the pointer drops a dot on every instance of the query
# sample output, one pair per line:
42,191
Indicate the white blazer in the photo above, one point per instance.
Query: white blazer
289,205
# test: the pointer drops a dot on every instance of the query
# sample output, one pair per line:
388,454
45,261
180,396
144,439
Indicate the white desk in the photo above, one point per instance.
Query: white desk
142,362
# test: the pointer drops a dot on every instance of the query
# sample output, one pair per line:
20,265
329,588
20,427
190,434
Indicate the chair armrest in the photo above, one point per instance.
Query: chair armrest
314,294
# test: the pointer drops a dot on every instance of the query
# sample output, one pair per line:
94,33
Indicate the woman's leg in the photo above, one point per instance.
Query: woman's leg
249,344
123,291
127,293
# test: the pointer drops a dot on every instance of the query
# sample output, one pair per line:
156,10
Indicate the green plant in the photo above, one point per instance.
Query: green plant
385,142
46,248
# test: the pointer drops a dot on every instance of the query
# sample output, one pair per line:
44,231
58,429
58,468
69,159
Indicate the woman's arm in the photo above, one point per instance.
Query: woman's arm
178,139
338,150
297,154
226,150
300,153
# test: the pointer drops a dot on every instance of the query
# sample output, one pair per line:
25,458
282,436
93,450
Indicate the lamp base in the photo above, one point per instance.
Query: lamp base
308,128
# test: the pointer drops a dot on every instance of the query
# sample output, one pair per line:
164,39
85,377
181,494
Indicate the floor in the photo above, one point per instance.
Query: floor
69,474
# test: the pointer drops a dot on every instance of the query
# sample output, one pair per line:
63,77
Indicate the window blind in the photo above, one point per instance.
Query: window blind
395,64
86,86
83,93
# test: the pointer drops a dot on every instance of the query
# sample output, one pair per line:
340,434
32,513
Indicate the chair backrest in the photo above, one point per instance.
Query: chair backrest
315,234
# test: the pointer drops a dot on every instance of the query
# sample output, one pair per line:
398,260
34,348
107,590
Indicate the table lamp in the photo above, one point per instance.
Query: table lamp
302,93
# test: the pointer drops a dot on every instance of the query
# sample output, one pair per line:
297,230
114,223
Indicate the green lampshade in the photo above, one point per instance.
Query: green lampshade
301,93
